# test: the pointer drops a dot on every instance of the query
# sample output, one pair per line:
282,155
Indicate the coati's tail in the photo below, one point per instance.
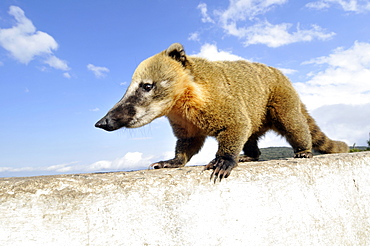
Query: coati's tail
320,142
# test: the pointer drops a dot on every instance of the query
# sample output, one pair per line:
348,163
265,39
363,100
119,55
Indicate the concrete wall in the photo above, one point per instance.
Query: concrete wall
319,201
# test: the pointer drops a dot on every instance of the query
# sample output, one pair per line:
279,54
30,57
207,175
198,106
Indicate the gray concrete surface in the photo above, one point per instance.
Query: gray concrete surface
319,201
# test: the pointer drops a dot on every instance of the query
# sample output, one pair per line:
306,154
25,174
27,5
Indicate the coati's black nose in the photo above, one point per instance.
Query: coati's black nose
105,123
102,123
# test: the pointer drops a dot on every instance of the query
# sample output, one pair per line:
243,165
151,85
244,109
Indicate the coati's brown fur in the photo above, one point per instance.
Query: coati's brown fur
234,101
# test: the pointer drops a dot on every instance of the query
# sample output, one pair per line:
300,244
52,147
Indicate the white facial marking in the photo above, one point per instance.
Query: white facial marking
145,115
132,88
164,84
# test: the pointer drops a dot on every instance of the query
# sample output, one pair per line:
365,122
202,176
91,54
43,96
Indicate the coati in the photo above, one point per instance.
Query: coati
234,101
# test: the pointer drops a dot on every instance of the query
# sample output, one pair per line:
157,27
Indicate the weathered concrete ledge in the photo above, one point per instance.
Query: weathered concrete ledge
319,201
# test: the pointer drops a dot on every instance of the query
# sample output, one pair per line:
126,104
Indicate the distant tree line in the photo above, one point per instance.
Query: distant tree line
355,148
273,153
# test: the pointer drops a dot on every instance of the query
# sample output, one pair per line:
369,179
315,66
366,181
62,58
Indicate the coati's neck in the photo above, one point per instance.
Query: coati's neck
189,101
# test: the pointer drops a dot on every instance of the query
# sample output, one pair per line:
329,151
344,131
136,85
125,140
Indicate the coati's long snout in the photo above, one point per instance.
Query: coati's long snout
123,114
118,117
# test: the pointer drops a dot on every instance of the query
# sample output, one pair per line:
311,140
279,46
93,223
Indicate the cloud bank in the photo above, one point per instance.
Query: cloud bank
357,6
130,161
24,43
349,123
278,35
241,19
343,78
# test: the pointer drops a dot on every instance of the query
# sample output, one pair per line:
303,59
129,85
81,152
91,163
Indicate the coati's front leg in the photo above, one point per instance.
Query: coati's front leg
185,149
222,166
230,143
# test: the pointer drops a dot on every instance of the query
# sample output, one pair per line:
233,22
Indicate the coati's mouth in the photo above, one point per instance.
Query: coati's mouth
109,124
137,122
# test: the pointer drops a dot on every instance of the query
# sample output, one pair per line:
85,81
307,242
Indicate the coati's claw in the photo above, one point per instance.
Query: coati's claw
303,155
221,167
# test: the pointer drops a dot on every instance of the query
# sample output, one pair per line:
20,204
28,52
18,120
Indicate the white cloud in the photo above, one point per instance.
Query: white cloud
349,123
203,10
99,72
211,52
67,75
241,20
287,71
130,161
318,5
343,80
279,35
60,168
21,169
56,63
24,42
194,36
357,6
54,168
94,110
240,10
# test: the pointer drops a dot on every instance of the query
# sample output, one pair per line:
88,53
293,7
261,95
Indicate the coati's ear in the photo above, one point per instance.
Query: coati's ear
177,52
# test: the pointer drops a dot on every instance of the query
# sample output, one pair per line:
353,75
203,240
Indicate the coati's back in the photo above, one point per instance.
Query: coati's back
252,86
245,86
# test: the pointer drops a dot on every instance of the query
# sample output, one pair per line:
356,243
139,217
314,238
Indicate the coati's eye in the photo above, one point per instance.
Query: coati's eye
147,87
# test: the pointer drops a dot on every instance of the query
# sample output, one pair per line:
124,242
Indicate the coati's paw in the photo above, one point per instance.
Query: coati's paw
245,158
156,165
221,167
304,154
165,164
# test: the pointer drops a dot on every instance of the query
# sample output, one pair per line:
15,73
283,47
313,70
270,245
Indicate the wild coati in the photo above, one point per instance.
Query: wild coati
235,102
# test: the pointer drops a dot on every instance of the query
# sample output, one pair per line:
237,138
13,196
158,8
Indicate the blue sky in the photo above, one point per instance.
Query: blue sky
64,64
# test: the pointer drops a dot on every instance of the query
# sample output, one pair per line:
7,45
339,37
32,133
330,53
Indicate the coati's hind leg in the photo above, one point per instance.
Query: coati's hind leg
251,152
288,120
185,149
320,142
